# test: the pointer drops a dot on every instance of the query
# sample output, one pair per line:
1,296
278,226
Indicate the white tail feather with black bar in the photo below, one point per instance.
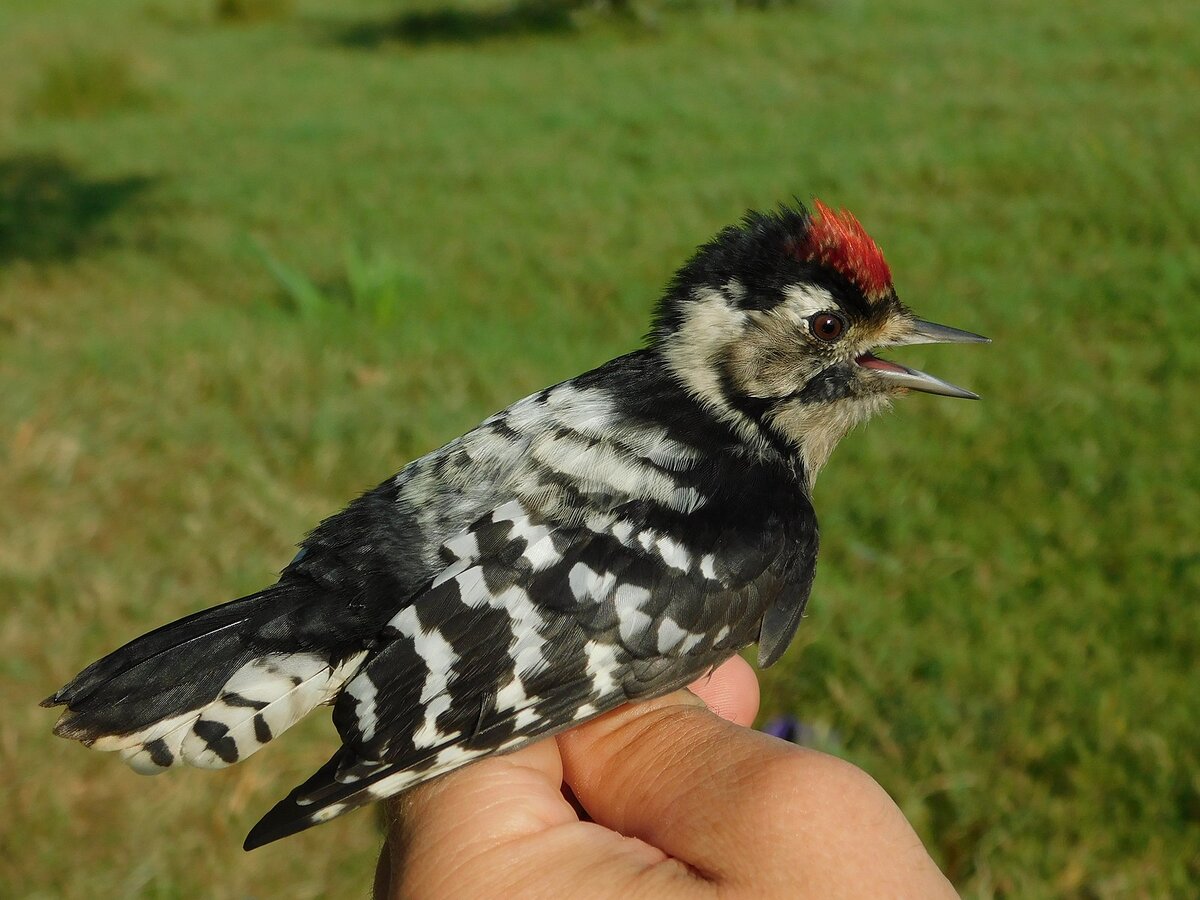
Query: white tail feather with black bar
260,701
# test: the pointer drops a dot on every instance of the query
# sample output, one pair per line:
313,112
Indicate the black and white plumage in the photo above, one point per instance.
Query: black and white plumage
607,539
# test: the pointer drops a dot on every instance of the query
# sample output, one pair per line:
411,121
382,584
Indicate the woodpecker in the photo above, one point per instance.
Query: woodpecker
605,540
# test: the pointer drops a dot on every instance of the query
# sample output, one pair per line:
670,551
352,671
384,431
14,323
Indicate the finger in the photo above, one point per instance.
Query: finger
744,809
682,779
730,691
445,822
501,827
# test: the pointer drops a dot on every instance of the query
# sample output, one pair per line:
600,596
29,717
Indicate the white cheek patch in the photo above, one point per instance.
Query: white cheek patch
710,324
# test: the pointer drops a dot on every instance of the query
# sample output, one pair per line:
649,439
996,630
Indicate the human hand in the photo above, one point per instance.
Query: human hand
681,801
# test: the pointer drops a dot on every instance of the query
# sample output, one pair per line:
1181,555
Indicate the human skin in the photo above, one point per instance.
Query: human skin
671,798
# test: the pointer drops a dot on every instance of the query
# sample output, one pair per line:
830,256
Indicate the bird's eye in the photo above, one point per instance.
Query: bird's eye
827,326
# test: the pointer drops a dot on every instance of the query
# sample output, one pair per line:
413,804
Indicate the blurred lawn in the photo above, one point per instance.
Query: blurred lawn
1004,630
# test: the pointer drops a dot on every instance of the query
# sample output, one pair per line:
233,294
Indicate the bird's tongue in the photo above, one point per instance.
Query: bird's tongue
869,361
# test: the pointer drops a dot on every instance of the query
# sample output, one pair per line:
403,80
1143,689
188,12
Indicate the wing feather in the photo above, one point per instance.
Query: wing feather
536,628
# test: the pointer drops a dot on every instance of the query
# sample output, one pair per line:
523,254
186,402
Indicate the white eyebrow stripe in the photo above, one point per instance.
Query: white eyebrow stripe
806,300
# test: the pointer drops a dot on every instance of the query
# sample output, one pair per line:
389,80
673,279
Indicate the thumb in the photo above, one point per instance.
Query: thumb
676,775
730,690
743,809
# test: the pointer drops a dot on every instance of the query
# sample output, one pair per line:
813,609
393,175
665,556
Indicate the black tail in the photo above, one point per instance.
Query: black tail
177,667
208,689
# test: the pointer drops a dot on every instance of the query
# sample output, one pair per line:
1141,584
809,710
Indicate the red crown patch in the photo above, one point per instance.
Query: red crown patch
837,240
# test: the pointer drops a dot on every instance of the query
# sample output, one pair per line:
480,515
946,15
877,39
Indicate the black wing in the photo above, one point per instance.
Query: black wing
535,627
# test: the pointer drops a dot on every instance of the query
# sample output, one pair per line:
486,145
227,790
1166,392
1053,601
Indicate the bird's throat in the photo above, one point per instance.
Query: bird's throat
815,429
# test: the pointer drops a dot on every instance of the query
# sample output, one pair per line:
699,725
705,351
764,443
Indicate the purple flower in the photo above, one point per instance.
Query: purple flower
791,729
786,727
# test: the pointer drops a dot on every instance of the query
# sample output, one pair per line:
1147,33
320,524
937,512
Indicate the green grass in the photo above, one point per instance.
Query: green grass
247,11
84,83
1004,629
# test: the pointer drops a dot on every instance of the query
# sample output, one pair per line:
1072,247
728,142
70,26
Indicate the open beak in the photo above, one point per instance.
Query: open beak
922,332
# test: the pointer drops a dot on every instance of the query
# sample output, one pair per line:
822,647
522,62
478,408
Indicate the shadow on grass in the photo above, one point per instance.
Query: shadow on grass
50,213
518,18
465,26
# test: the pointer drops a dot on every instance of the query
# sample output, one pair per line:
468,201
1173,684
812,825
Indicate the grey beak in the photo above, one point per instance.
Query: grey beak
931,333
916,380
923,332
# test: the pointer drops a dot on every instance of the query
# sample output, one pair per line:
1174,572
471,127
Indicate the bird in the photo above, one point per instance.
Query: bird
605,540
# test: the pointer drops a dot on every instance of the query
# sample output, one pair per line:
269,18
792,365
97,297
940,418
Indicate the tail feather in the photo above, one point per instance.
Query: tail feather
149,648
170,669
205,691
263,699
154,749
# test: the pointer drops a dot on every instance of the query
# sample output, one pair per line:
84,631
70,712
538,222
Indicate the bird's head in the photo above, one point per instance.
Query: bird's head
774,323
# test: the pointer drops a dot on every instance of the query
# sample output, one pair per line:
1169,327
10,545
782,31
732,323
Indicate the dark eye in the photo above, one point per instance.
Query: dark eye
827,326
